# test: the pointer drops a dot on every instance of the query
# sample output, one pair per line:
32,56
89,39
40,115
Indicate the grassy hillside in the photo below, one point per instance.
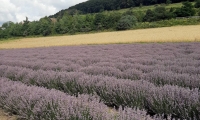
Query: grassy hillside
134,9
145,8
96,6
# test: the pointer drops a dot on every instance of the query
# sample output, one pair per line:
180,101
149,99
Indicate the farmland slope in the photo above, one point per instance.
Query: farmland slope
166,34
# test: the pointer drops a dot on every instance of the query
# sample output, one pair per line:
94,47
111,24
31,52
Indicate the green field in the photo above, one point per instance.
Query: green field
145,8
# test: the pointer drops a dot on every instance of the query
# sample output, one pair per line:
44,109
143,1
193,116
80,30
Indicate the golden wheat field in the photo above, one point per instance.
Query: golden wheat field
167,34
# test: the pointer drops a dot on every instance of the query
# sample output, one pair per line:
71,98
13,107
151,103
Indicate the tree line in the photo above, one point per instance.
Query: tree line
79,23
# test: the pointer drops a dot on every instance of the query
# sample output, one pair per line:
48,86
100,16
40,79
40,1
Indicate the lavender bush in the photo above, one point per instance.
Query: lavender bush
168,77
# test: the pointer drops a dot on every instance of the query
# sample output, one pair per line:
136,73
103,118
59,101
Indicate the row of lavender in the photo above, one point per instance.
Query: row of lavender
37,103
157,76
116,67
179,102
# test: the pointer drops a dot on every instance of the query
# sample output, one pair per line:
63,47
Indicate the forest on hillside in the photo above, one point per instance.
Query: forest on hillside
103,21
95,6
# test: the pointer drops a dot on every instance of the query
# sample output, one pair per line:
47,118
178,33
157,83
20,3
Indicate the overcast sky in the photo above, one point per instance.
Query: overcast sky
17,10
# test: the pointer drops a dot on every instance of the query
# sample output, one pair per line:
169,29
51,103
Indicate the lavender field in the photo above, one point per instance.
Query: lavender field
102,82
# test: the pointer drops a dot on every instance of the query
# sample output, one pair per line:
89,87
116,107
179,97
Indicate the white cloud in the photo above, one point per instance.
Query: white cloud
17,10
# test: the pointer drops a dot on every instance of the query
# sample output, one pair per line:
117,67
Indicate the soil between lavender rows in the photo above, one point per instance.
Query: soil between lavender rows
6,116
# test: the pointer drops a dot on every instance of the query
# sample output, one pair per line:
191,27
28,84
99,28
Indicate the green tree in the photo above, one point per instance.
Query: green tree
76,24
161,13
89,19
186,10
129,12
86,24
126,22
16,30
7,24
168,2
63,25
99,21
46,26
150,16
58,28
199,12
197,4
45,29
113,19
35,28
1,33
4,34
25,27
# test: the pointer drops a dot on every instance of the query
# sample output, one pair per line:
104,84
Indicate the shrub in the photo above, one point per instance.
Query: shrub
149,17
199,12
197,4
168,2
159,13
126,22
186,10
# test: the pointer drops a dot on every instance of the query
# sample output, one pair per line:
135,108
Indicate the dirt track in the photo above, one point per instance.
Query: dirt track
6,116
166,34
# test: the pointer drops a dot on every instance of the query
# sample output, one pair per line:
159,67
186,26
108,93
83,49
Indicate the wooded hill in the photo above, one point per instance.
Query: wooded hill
95,6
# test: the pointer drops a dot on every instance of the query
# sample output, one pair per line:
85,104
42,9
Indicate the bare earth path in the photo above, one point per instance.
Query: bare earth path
166,34
5,116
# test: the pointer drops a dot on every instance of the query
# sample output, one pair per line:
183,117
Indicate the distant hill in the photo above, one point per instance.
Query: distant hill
95,6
